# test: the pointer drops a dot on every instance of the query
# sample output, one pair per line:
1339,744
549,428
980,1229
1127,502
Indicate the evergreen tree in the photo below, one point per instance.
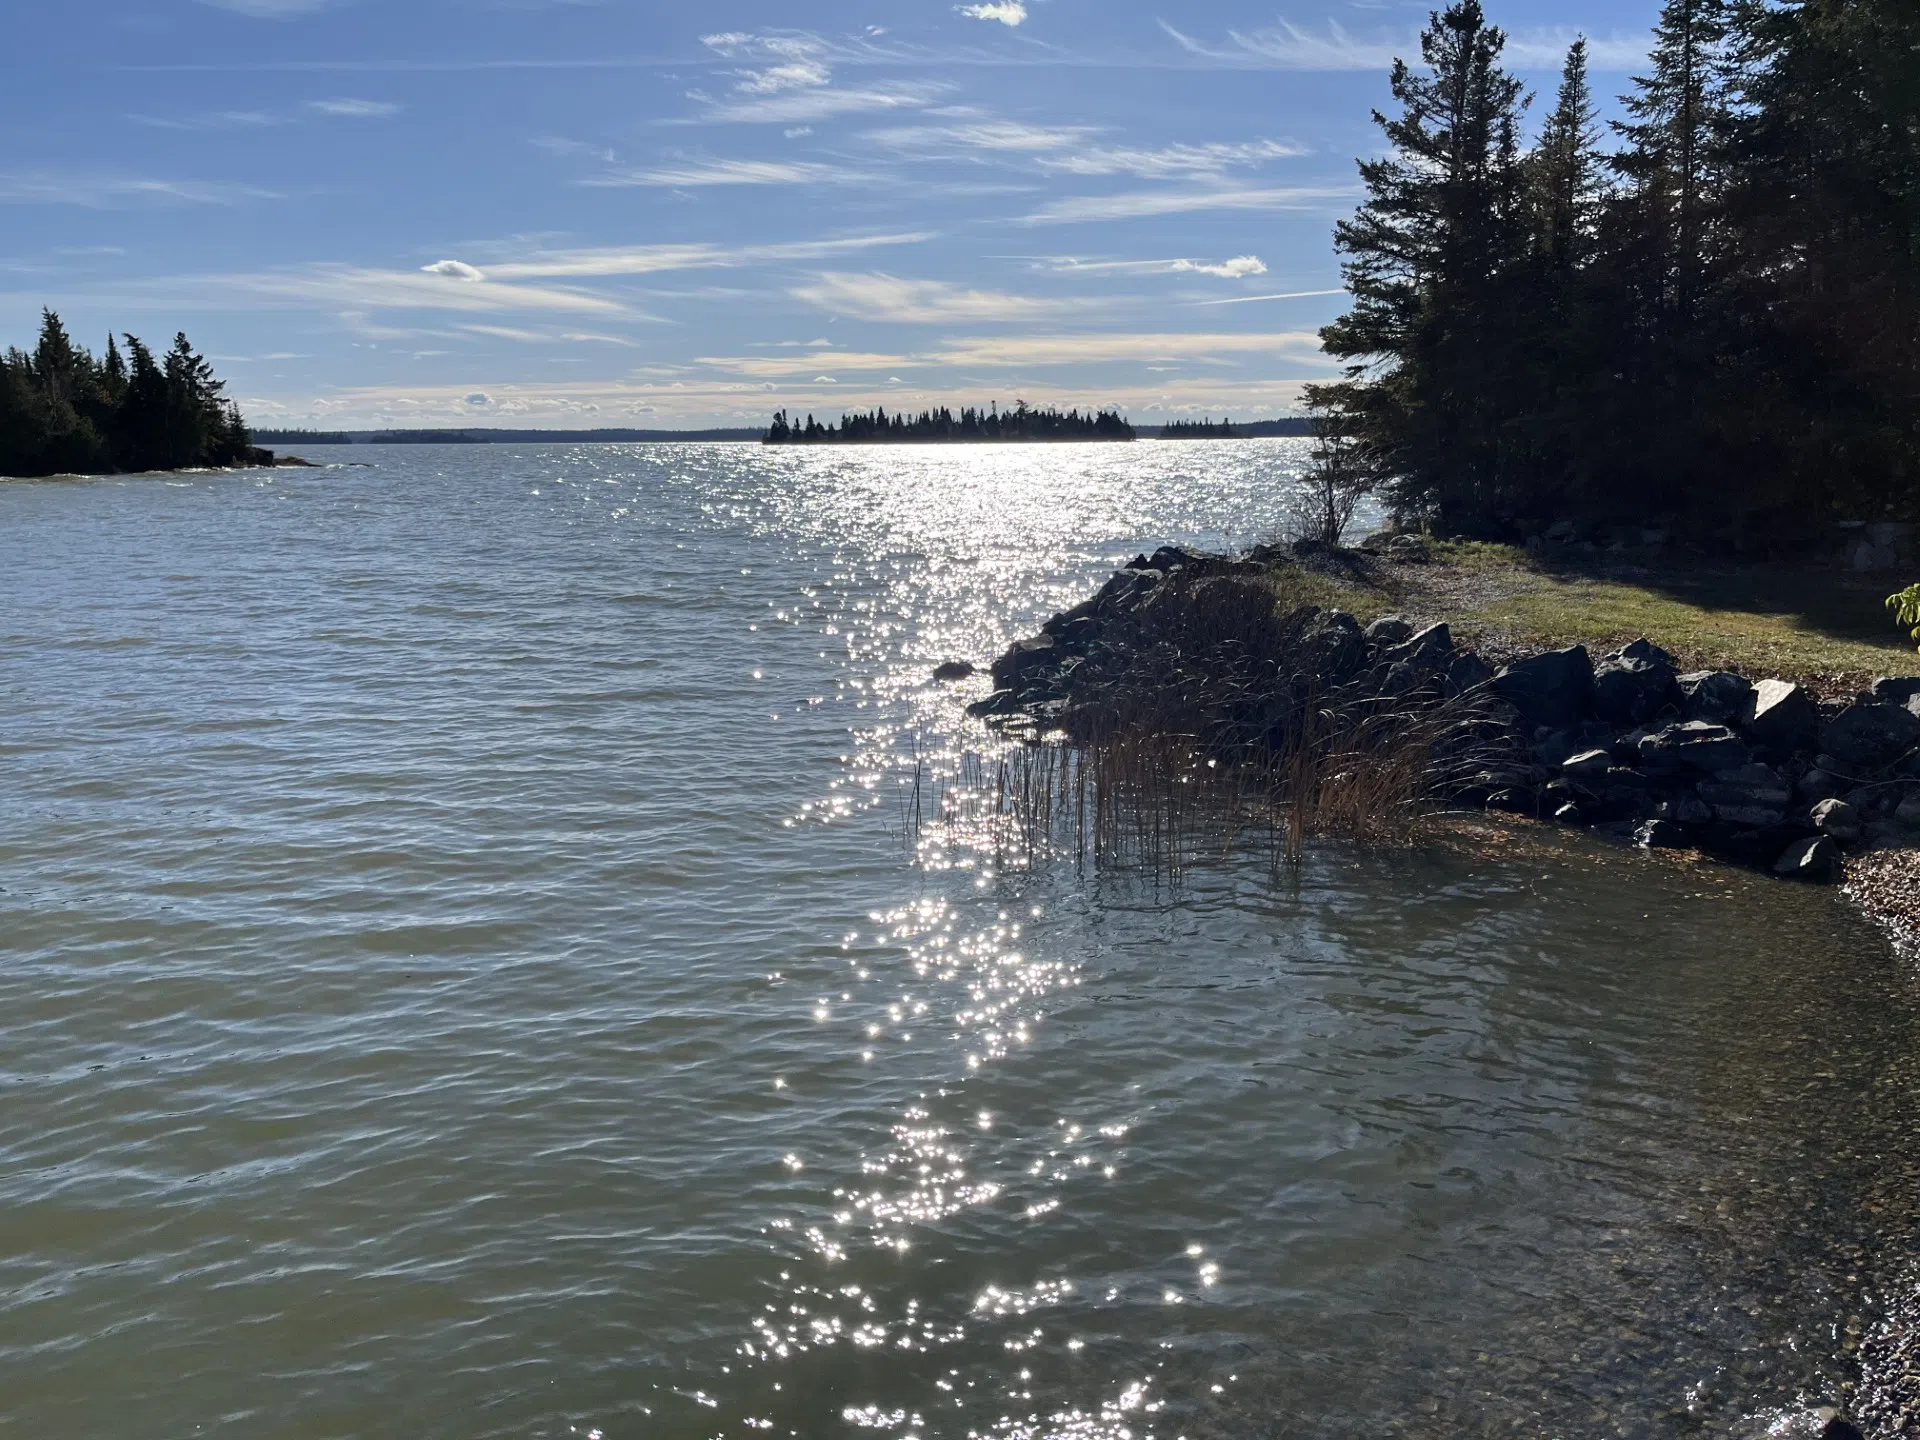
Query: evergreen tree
1565,170
1427,259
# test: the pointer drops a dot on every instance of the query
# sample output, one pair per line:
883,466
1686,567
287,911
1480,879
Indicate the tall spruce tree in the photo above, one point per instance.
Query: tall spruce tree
1565,169
1428,392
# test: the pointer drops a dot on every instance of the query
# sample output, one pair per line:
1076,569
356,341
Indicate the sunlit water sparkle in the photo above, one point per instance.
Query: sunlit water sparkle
468,970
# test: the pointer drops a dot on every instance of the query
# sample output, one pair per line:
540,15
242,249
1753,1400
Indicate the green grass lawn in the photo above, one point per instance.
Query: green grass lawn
1825,627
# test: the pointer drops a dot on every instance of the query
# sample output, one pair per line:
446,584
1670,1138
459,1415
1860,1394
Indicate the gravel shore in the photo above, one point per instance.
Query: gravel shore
1886,883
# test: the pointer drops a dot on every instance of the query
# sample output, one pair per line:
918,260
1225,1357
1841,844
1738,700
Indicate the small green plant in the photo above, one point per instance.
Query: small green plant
1906,609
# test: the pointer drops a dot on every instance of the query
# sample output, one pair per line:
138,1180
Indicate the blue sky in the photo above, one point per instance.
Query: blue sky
559,212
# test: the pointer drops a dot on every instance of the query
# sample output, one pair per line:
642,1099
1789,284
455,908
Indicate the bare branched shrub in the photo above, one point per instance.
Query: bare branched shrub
1340,475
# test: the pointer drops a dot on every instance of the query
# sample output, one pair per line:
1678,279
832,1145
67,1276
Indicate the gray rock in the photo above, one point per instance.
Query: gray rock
1408,550
953,670
1587,765
1660,835
1816,858
1719,696
1633,685
1836,818
1694,745
1781,717
1553,689
1389,630
1896,689
1871,736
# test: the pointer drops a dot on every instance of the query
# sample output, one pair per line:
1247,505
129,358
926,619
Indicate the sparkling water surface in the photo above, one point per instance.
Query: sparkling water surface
466,970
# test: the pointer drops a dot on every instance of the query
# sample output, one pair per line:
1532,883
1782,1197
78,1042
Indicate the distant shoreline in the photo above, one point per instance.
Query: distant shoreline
1285,427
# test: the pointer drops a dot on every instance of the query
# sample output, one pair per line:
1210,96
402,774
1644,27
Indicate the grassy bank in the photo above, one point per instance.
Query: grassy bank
1825,628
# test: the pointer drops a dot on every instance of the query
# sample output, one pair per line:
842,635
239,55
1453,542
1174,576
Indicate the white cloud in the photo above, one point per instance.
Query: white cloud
351,109
1287,46
786,367
801,106
958,141
453,269
655,259
888,298
794,75
1234,269
357,289
1138,204
479,398
694,173
1007,12
1172,162
220,120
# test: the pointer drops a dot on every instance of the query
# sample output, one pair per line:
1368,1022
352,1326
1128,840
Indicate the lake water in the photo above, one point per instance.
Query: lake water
466,970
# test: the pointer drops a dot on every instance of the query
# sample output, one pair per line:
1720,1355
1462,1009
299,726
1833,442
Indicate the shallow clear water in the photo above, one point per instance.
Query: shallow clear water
464,970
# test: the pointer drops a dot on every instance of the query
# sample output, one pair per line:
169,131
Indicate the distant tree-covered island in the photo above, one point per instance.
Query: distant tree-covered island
942,425
1202,429
64,411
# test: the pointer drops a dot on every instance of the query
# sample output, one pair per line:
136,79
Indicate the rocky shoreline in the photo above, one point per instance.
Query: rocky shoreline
1756,771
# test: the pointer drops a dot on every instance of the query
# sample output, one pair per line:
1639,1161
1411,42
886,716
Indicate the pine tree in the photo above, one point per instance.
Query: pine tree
1565,169
1426,259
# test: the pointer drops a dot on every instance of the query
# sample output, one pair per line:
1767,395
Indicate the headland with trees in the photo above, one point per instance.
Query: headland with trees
65,411
1705,315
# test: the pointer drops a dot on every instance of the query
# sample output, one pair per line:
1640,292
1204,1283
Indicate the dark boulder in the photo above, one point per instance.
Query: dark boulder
1587,765
1430,649
953,670
1172,557
1000,702
1553,689
1633,685
1389,630
1836,818
1817,858
1332,647
1781,717
1751,795
1897,689
1871,737
1467,671
1660,835
1693,745
1717,696
1025,660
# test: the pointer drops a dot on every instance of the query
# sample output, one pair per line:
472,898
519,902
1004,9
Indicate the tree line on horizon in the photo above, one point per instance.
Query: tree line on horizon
1708,311
941,424
63,411
1201,429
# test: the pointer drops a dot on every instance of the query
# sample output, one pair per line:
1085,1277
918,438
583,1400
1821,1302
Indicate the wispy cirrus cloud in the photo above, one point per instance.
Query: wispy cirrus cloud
822,103
784,367
1172,162
1116,347
962,140
270,9
1283,295
1007,12
610,261
1289,46
349,108
875,296
1236,268
215,120
1142,204
108,191
790,81
701,173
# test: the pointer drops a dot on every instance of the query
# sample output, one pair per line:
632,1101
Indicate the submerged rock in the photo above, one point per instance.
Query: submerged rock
953,670
1660,835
